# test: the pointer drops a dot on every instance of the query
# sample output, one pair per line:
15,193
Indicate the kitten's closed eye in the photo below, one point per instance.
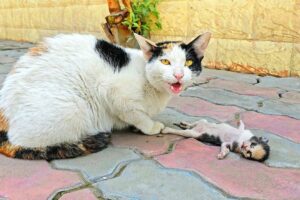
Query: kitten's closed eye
253,144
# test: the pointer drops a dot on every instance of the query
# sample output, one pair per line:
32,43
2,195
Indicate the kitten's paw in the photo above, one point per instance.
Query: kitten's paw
185,125
156,128
221,156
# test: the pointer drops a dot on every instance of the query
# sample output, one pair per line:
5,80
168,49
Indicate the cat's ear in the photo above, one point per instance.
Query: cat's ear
200,43
146,46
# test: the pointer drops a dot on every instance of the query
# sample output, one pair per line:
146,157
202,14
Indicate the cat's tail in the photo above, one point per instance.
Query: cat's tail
90,144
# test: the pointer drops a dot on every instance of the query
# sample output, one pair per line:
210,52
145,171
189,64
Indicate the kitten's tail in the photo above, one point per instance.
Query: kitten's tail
90,144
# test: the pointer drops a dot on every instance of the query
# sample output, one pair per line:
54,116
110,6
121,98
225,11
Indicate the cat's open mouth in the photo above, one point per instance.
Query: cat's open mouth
176,87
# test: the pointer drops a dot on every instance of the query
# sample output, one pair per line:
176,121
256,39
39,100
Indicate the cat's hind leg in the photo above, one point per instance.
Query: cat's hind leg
224,150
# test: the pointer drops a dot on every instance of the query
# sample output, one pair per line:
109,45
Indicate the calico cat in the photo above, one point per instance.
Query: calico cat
229,138
64,97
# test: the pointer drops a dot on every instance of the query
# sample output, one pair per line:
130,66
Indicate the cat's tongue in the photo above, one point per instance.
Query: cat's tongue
176,88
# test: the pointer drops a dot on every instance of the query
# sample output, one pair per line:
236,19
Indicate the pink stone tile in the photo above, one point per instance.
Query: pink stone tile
203,78
237,177
240,87
85,194
148,145
199,107
34,180
281,125
291,97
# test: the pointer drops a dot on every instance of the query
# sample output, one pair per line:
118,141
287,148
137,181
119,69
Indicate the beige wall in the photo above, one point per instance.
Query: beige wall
253,36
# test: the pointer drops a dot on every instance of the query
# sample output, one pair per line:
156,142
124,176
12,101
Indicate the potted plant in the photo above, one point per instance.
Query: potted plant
138,16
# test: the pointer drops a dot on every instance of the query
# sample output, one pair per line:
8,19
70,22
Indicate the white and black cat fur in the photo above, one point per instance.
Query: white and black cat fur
229,138
64,97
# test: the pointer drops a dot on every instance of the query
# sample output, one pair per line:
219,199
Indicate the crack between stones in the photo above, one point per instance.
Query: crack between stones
202,178
260,105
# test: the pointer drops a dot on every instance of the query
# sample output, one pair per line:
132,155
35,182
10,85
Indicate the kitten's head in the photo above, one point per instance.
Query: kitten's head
171,65
256,149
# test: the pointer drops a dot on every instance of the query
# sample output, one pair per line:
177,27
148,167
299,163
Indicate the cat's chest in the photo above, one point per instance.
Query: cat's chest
155,102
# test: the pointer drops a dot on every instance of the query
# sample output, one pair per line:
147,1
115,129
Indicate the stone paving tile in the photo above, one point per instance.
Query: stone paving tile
228,75
291,97
244,88
234,175
34,180
275,107
12,45
202,79
7,60
280,125
198,107
148,181
284,153
170,116
5,68
98,164
13,54
146,144
85,194
291,83
2,78
223,97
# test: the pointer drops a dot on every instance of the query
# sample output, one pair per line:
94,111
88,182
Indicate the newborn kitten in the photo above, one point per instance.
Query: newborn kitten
229,138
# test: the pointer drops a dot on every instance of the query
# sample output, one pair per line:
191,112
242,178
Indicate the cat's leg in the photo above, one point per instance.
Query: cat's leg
185,133
127,105
224,150
142,122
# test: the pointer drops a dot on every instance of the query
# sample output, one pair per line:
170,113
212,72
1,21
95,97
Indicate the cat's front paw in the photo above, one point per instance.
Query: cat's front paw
156,128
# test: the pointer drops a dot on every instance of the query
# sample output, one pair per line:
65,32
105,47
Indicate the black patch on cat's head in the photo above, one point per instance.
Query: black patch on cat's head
112,54
211,139
155,53
158,50
191,54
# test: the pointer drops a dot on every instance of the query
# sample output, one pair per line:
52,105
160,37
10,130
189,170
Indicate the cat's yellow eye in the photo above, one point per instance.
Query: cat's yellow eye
165,61
188,63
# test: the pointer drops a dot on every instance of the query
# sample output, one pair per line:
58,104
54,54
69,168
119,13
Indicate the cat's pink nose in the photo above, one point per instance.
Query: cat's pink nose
178,76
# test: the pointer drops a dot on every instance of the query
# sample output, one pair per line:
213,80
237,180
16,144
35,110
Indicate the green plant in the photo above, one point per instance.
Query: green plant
143,17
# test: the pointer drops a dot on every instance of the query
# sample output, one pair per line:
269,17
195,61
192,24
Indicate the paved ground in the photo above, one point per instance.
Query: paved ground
167,167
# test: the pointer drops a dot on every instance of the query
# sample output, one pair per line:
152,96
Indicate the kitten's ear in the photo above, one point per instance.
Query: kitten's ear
266,140
146,45
200,43
242,126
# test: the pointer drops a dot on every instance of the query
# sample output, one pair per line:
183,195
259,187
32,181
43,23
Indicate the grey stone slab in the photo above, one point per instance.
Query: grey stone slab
98,164
9,45
277,107
290,83
284,153
2,78
228,75
16,54
146,180
223,97
170,116
5,68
